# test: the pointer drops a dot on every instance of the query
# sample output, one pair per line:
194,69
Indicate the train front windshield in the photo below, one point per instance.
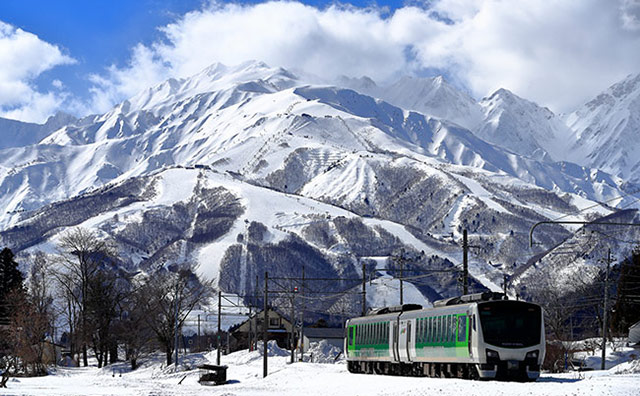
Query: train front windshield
510,324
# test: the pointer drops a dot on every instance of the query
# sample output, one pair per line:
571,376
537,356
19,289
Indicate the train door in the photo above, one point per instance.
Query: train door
394,341
404,340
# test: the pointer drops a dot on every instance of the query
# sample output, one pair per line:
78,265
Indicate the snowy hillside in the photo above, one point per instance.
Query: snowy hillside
245,169
606,130
523,127
18,134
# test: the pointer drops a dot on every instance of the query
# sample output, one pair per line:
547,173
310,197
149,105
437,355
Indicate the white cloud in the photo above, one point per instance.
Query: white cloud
24,57
630,10
557,52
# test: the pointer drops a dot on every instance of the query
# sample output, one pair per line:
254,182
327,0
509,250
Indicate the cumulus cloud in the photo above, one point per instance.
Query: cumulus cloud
24,57
557,52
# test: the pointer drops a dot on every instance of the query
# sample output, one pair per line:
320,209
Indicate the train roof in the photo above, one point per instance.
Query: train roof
453,303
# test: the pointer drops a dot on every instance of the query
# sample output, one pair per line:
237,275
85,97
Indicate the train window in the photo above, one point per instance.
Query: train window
434,326
427,336
447,328
462,328
447,323
452,328
432,329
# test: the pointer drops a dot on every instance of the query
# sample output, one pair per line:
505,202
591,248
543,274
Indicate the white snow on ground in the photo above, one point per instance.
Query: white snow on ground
323,352
615,354
632,367
479,192
245,379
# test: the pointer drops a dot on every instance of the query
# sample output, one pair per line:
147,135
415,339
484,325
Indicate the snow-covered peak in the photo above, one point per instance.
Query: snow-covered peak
363,85
434,96
248,76
606,129
522,126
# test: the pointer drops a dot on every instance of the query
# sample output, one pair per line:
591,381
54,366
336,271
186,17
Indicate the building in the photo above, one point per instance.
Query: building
279,329
634,334
333,337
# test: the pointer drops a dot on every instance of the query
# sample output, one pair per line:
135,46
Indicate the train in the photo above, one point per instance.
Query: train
475,336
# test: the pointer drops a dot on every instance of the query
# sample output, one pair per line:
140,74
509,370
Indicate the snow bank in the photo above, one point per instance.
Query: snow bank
632,367
323,352
272,349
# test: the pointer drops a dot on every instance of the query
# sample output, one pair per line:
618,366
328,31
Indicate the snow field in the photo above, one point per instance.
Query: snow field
245,379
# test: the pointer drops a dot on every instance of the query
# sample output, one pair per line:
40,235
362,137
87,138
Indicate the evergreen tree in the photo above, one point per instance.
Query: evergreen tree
11,279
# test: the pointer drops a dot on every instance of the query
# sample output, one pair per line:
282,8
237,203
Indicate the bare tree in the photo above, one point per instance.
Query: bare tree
27,334
132,327
107,290
81,257
170,297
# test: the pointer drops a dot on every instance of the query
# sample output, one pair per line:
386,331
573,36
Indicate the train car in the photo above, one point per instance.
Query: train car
477,336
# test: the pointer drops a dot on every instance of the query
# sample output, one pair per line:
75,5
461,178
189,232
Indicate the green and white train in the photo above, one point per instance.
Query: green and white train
478,336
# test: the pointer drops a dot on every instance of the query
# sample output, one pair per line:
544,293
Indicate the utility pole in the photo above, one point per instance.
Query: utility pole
401,260
605,309
255,300
364,291
293,315
219,335
465,263
176,328
264,325
198,341
302,319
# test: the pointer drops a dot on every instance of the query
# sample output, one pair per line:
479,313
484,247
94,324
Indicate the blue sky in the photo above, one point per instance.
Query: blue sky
96,33
99,33
84,56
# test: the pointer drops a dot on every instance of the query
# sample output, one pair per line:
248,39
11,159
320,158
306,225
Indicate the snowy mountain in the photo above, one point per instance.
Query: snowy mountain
247,168
18,134
430,96
523,127
606,130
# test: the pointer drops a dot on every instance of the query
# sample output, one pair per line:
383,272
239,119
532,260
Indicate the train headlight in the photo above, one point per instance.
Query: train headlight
492,354
532,355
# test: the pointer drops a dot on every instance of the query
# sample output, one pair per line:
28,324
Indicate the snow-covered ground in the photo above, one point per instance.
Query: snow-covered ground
245,378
